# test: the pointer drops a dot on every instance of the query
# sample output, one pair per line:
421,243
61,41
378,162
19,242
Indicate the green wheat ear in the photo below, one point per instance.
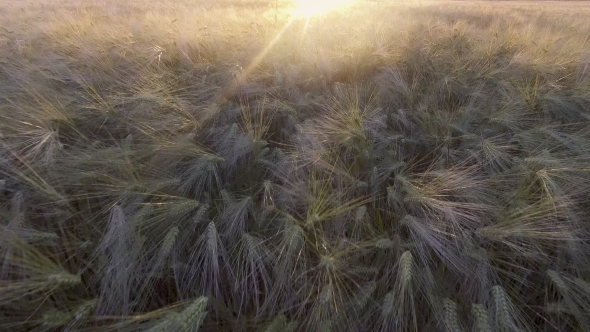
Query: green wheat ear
574,295
364,294
450,318
280,324
324,326
506,317
29,272
388,306
385,244
585,286
189,319
169,241
406,268
56,318
480,315
192,317
558,282
277,324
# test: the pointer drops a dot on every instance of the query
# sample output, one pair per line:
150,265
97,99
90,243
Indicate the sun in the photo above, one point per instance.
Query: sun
309,8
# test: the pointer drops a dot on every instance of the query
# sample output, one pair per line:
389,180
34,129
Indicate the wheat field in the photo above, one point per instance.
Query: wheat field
231,165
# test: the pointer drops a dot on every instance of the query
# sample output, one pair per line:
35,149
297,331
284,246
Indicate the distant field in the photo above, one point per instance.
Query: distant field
234,166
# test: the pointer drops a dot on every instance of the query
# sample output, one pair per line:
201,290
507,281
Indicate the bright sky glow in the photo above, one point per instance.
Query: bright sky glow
309,8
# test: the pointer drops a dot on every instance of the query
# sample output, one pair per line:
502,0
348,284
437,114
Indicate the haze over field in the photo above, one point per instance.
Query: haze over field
250,165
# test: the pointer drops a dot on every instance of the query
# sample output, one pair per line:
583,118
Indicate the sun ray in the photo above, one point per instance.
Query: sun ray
241,78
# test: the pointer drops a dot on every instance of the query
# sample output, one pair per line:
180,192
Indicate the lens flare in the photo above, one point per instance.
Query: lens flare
309,8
